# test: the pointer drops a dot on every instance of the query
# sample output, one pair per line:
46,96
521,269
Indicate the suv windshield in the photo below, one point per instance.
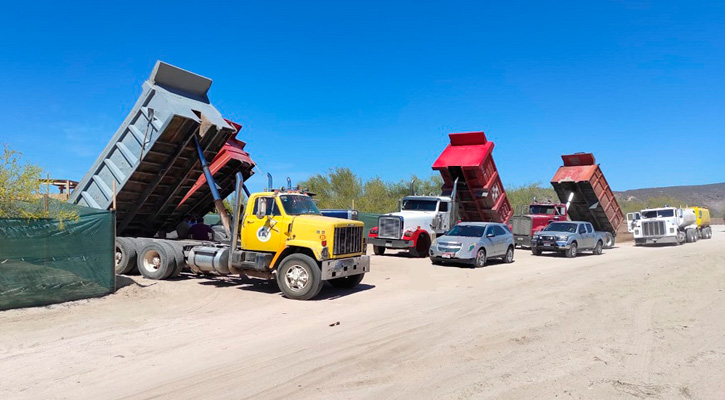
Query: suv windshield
298,204
658,213
419,205
561,227
539,209
466,230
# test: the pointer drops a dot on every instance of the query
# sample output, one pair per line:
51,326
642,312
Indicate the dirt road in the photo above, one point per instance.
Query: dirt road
632,323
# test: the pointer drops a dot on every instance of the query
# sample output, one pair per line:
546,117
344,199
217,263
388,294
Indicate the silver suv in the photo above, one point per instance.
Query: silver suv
474,243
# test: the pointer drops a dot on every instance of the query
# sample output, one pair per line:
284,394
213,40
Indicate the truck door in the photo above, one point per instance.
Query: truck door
260,230
444,212
632,219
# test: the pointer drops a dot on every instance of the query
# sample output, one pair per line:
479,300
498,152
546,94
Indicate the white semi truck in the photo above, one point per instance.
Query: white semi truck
669,225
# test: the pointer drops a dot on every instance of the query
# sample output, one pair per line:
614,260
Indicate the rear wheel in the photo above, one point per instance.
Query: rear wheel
571,253
598,248
125,256
378,250
347,282
299,277
480,258
422,246
609,240
155,261
509,257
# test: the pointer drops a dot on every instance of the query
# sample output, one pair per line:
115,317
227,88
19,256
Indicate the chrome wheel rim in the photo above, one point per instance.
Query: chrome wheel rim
296,278
481,258
119,257
573,249
510,255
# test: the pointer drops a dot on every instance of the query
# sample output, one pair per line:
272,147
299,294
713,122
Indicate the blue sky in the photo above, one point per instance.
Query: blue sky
377,86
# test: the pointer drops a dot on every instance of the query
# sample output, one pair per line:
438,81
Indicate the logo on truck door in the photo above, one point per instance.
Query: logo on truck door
264,233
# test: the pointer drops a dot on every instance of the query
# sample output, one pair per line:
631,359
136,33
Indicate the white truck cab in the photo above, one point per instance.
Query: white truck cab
663,225
419,221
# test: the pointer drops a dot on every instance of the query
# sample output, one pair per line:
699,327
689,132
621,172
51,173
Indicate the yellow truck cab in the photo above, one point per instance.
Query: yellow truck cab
283,235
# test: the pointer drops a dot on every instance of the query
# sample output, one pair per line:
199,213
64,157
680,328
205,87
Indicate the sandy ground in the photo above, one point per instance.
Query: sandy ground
632,323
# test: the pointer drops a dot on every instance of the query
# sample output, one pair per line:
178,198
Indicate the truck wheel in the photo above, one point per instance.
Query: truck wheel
609,240
688,236
347,282
378,250
598,248
155,261
125,256
571,253
480,258
299,277
178,260
535,251
509,257
422,246
178,251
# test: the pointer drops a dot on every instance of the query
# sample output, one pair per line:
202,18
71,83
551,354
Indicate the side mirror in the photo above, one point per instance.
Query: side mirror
261,208
490,235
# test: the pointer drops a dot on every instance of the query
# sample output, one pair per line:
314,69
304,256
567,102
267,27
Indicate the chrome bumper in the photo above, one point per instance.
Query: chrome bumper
343,267
391,243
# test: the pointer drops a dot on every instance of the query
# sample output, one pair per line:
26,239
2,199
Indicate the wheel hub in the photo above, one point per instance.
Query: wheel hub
296,277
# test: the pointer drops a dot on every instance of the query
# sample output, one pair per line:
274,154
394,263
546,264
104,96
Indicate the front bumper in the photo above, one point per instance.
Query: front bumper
550,246
452,260
391,243
340,268
656,239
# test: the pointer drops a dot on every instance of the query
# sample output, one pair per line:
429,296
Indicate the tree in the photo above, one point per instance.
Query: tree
19,194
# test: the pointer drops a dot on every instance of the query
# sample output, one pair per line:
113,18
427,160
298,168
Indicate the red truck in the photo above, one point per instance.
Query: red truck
538,217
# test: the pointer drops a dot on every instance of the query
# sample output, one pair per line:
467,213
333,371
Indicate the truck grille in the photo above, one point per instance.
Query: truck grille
521,225
348,239
653,228
390,227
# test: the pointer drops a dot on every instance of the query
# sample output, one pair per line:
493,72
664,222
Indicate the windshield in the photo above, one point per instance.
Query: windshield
297,205
539,209
561,227
419,205
466,230
658,213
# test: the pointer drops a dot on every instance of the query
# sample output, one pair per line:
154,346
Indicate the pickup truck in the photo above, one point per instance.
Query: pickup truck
568,238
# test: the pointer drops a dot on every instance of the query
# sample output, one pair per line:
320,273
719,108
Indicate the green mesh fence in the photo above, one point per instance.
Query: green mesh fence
42,263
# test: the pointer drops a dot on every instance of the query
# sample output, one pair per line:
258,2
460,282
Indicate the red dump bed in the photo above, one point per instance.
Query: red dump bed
480,193
231,159
593,199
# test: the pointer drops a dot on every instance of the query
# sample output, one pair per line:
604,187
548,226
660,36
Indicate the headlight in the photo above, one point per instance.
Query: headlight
325,253
562,238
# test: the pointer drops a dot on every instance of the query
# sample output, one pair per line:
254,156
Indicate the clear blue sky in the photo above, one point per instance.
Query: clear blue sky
377,86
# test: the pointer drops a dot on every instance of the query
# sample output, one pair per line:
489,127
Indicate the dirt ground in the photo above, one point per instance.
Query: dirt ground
632,323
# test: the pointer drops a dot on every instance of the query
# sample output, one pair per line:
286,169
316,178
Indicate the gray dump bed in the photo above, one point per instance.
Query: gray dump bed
152,156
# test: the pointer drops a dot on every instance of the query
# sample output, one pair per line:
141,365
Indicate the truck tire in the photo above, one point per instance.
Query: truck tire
378,250
125,257
155,261
609,240
347,282
598,248
688,236
178,250
571,253
299,277
422,246
173,254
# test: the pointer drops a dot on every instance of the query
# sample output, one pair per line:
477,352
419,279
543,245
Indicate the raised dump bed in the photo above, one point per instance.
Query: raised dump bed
152,157
593,200
478,191
232,158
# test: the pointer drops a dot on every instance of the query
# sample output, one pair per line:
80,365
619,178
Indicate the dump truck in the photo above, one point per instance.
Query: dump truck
154,173
538,216
472,191
673,225
581,185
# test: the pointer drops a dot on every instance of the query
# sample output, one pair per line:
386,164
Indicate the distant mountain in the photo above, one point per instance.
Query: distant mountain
710,196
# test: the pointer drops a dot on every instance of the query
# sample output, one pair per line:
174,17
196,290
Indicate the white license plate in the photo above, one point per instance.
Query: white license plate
548,244
446,255
388,245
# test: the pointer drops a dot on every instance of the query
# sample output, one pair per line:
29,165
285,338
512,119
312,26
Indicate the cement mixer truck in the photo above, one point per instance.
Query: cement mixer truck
669,225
